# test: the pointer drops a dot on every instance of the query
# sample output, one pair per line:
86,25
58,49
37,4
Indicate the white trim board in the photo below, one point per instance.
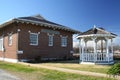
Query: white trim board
93,63
89,63
9,60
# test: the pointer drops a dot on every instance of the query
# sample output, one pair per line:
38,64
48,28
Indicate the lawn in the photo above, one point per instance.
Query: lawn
32,73
77,66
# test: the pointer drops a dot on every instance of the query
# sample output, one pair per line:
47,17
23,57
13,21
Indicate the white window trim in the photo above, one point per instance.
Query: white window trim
37,39
49,40
2,44
10,38
63,45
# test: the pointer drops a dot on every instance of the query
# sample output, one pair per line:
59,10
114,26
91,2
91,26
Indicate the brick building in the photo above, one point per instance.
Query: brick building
27,38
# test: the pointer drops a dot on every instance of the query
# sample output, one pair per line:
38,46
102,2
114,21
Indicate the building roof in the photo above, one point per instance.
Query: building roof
96,32
39,20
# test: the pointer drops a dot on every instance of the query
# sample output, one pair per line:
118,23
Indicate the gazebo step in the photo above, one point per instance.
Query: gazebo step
98,62
104,62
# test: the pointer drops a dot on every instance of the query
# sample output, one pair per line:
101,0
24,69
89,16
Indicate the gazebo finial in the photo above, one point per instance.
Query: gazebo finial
94,26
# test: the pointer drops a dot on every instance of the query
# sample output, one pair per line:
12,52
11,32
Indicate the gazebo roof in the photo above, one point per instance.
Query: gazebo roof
99,32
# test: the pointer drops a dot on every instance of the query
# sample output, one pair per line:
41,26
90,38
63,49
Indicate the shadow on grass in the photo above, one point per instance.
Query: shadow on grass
56,61
66,62
117,61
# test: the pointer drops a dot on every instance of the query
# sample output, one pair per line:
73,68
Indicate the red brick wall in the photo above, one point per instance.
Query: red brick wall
9,51
42,50
30,51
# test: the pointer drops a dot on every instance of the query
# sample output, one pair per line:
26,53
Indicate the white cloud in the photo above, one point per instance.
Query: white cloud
116,40
75,43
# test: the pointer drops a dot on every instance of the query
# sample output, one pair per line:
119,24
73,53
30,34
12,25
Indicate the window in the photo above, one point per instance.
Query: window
63,41
1,43
33,39
10,39
50,43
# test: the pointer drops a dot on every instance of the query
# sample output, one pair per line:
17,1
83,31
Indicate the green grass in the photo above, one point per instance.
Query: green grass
91,68
16,67
81,67
31,73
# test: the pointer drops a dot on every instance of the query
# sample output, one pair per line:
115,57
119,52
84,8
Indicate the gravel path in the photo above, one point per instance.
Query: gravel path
6,76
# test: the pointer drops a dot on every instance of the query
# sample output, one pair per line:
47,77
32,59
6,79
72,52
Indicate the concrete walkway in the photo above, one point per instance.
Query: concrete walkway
70,70
6,76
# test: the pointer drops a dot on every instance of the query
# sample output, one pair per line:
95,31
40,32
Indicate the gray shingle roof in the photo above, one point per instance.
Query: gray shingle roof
96,31
39,20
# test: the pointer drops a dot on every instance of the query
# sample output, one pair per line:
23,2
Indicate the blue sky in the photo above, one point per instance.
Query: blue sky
77,14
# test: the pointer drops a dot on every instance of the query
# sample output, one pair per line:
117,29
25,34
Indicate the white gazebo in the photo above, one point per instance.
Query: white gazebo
98,36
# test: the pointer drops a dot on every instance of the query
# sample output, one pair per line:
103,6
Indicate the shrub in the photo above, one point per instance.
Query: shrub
38,59
115,69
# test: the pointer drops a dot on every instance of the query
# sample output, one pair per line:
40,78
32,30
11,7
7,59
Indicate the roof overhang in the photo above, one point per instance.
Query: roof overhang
96,35
40,24
7,23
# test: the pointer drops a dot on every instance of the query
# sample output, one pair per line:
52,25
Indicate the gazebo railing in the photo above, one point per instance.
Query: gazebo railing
102,57
97,57
110,56
88,57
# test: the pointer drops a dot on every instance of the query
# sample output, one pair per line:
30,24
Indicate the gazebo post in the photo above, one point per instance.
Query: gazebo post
112,48
80,53
95,49
83,49
85,46
107,48
102,46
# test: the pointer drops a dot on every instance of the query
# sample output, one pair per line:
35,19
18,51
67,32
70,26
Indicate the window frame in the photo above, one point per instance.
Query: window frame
1,39
36,34
64,41
10,39
50,40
